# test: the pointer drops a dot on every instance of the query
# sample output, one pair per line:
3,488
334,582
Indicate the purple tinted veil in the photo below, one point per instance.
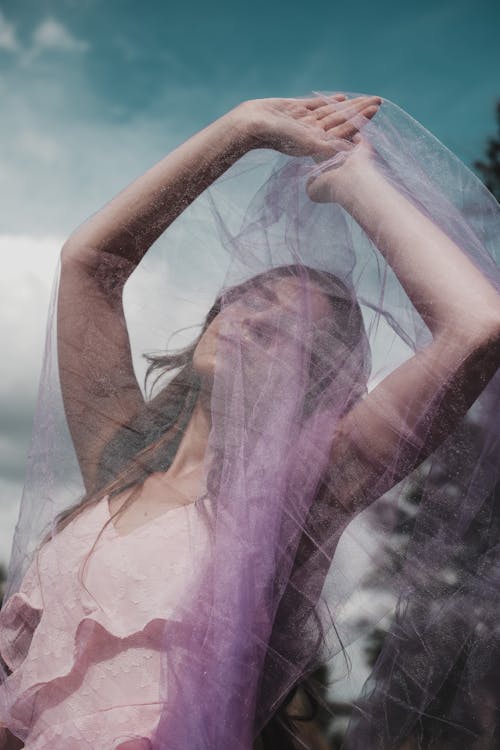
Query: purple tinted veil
276,569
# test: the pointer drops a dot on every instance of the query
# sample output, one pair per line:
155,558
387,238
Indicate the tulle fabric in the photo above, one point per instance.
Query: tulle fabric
280,591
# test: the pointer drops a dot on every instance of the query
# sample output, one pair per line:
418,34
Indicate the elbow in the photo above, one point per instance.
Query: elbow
489,329
70,252
472,342
492,338
78,248
482,344
73,250
475,331
80,259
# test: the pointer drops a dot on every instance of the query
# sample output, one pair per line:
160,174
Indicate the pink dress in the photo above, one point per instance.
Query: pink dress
85,660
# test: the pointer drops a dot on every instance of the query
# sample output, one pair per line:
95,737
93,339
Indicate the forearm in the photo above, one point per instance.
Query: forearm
446,288
131,222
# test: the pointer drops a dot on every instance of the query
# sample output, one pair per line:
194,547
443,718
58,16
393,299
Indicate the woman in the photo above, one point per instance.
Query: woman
222,445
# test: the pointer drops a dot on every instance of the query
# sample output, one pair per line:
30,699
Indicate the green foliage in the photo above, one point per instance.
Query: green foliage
489,167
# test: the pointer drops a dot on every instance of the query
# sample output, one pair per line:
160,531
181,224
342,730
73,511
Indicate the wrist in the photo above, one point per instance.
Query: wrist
352,183
242,128
251,123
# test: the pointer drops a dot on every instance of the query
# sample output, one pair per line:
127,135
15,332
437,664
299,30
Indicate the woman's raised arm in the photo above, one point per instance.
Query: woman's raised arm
97,379
408,414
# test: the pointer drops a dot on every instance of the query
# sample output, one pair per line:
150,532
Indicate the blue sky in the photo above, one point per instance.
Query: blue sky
81,68
92,93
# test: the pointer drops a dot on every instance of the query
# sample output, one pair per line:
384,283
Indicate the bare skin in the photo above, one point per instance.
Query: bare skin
442,283
126,227
440,280
457,303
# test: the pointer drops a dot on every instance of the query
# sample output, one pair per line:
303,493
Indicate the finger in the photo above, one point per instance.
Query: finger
321,101
322,104
347,109
349,128
336,115
346,102
345,130
356,116
370,111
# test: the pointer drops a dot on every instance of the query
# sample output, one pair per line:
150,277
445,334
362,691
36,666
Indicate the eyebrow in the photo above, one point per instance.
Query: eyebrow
269,294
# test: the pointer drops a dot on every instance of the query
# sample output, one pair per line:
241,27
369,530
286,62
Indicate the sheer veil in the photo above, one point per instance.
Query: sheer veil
294,575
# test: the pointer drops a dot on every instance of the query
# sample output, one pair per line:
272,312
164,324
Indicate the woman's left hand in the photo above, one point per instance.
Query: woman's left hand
329,185
319,126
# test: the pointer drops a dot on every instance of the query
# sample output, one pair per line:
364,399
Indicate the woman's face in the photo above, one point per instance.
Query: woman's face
253,321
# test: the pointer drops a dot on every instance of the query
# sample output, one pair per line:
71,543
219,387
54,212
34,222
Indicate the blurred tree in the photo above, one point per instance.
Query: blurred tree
448,582
452,715
453,707
489,167
310,713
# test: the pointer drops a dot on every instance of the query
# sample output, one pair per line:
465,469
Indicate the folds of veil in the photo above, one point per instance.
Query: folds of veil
293,576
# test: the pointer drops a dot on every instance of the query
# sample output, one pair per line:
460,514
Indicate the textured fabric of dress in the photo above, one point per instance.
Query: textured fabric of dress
87,675
310,318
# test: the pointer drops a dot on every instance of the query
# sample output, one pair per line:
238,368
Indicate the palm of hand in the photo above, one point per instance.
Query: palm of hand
319,127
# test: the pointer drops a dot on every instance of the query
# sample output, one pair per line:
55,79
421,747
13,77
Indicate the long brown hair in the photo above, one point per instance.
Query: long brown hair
149,442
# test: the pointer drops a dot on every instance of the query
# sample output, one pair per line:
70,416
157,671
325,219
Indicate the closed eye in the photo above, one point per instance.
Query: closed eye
262,333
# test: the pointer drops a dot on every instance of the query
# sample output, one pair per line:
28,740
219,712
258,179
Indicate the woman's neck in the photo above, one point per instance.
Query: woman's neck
192,448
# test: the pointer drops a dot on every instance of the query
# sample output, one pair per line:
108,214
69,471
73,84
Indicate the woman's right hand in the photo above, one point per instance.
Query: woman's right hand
319,126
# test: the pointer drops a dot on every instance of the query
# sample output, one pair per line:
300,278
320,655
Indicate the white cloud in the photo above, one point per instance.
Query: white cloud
8,37
63,158
28,265
28,268
39,145
51,34
56,169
